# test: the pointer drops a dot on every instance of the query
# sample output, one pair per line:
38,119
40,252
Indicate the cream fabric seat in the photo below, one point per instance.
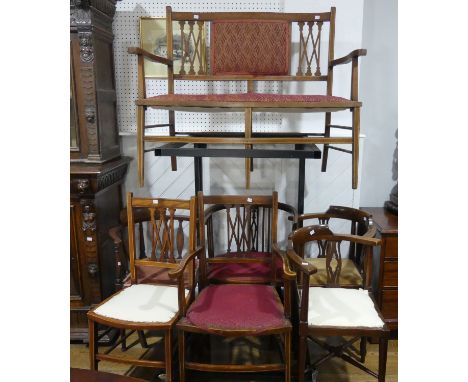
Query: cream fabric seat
349,275
142,303
342,307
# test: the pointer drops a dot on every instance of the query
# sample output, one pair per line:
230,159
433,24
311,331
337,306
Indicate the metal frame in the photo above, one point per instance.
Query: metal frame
200,150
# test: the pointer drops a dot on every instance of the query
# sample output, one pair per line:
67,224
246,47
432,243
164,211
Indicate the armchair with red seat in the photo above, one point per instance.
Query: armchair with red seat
237,311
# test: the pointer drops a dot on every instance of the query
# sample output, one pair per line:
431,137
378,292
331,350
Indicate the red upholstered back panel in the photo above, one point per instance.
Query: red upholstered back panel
250,47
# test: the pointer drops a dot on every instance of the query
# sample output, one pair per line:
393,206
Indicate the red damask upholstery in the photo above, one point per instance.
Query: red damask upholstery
229,272
237,306
248,97
250,47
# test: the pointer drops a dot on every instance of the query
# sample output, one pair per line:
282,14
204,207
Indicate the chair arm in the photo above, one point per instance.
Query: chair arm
178,272
299,262
287,272
150,56
348,58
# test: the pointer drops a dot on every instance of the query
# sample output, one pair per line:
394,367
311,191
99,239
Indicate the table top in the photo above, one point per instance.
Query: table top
386,222
82,375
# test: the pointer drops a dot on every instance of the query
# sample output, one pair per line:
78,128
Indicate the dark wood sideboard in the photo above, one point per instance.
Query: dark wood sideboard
97,168
385,282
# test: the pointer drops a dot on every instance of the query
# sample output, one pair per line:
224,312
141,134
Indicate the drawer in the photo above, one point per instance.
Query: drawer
390,274
389,307
391,246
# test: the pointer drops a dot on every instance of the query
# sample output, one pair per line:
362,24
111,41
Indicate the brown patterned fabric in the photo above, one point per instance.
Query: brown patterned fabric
250,47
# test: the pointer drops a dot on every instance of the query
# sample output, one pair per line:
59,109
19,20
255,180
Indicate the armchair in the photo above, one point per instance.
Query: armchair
334,310
151,305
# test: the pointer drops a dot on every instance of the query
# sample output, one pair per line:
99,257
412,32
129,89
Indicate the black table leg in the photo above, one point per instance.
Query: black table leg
301,185
198,167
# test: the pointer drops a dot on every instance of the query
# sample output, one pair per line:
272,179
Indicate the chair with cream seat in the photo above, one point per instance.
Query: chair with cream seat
151,305
332,309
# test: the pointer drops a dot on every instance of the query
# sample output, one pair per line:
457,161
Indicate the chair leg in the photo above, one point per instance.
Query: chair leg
287,355
142,339
383,346
141,144
363,349
325,146
124,340
355,150
301,363
181,336
168,354
93,344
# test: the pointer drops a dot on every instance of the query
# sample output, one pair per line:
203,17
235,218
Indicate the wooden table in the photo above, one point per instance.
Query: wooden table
386,281
82,375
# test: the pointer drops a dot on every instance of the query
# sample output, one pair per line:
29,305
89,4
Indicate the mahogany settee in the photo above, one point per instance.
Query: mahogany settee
250,47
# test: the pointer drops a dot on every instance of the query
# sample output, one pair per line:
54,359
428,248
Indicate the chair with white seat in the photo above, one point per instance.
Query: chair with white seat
333,310
151,305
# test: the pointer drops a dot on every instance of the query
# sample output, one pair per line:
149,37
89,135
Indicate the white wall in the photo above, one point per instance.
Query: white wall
379,94
227,175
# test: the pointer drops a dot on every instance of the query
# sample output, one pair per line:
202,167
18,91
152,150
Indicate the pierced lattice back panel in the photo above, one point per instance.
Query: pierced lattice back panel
126,34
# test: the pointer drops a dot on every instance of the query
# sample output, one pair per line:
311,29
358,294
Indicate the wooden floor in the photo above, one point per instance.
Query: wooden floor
334,370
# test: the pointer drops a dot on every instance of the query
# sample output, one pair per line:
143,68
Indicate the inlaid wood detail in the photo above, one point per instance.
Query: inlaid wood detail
309,47
193,47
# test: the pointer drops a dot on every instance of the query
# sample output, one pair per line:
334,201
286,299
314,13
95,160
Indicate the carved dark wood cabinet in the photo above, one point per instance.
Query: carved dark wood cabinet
97,169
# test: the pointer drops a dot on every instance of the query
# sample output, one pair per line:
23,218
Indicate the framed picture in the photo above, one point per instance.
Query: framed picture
154,40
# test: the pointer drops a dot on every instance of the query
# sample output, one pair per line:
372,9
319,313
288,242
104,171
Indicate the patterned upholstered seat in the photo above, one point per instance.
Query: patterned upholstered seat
237,307
348,276
152,275
244,272
266,100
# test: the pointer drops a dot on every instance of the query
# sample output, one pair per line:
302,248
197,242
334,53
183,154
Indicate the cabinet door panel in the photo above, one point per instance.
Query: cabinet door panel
76,281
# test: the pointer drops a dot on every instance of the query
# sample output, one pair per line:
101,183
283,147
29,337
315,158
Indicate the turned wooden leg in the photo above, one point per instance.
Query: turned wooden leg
93,344
181,335
168,354
301,363
363,349
383,347
355,150
325,146
141,145
287,355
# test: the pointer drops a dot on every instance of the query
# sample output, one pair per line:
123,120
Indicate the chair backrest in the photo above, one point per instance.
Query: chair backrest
360,221
164,234
247,44
329,245
250,223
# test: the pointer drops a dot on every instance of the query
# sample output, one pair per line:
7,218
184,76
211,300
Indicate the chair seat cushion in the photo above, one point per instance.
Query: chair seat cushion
243,272
349,274
142,303
237,307
342,307
266,98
